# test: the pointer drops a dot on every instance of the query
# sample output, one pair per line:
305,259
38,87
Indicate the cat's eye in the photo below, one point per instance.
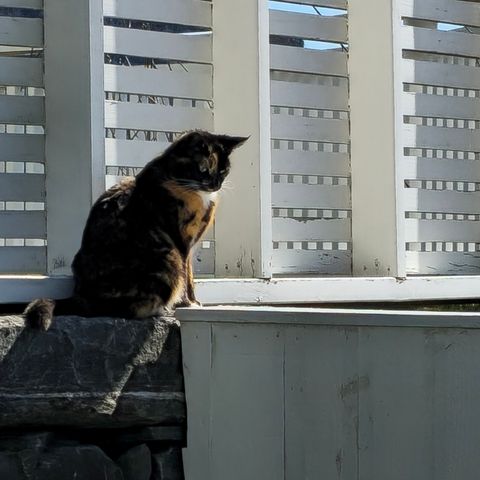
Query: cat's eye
202,167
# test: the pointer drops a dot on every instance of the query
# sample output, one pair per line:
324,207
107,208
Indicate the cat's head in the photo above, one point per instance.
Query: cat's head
200,160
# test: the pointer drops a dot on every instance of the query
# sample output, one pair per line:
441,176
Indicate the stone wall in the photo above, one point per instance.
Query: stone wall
91,399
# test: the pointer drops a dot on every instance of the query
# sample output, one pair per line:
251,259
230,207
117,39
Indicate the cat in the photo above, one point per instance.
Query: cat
135,255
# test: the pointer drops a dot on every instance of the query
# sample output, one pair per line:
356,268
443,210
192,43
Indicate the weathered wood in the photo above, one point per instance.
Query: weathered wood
91,373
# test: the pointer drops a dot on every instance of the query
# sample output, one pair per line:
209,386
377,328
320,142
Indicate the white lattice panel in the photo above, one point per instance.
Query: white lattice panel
158,83
22,145
441,113
310,138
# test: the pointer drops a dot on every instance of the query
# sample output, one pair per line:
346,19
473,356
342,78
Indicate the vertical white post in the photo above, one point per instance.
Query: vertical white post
241,86
74,105
376,148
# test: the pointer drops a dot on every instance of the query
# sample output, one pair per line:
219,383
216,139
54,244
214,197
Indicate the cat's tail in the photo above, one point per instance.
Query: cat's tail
39,313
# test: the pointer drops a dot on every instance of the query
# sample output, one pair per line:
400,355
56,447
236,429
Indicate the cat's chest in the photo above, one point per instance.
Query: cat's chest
196,215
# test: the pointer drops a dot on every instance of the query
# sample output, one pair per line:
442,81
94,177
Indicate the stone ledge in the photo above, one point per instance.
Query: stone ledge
91,373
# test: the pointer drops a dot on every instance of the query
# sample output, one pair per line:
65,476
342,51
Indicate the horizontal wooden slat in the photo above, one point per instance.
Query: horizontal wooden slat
23,32
440,106
131,153
444,75
441,201
441,230
290,229
296,94
443,263
203,260
313,163
441,137
22,110
184,12
341,4
162,81
313,129
440,169
189,48
22,225
438,41
312,27
22,148
295,59
310,196
23,259
306,262
462,13
17,187
156,117
37,4
25,72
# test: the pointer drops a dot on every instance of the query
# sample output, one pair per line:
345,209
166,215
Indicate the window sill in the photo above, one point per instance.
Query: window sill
21,289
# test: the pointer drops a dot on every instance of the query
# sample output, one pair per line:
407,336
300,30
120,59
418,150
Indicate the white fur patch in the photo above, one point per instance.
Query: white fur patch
208,197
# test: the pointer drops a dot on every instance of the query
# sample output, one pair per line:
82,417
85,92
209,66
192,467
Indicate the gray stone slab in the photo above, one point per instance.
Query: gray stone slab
95,372
136,463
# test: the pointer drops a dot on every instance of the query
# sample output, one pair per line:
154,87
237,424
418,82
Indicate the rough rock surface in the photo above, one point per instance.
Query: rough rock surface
91,399
96,372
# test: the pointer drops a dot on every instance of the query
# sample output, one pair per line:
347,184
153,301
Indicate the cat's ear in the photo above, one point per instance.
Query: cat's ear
230,143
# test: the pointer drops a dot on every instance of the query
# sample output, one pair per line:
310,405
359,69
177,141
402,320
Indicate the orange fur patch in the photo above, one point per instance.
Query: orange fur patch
195,217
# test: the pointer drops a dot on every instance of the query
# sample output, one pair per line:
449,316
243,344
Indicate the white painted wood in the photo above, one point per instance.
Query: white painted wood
131,153
21,110
22,288
21,260
341,4
289,229
441,230
462,13
441,201
312,262
241,87
37,4
462,139
375,89
361,391
170,46
440,106
427,40
22,148
196,83
312,129
22,224
430,73
295,59
156,117
24,32
436,168
319,365
291,195
312,27
197,363
185,12
75,123
254,359
21,71
295,94
19,187
443,263
314,163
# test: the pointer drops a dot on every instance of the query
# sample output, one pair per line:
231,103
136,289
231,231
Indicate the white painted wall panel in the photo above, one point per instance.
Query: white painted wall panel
310,196
22,110
26,72
156,117
22,225
23,32
185,12
170,46
23,260
22,148
313,163
18,187
162,81
291,229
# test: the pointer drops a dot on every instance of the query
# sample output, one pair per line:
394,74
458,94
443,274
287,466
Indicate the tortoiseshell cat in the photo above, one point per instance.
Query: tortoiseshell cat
135,256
